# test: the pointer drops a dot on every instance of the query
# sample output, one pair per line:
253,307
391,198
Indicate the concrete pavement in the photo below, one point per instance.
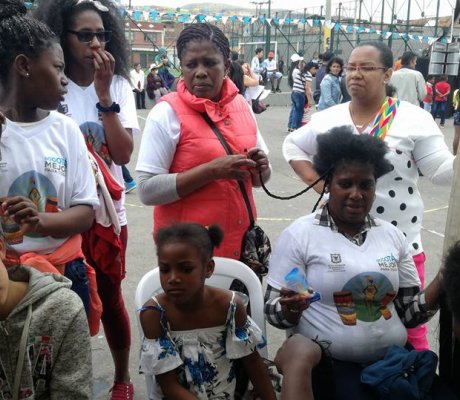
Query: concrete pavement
273,216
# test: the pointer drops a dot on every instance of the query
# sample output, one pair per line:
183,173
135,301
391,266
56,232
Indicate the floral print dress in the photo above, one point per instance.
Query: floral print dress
204,357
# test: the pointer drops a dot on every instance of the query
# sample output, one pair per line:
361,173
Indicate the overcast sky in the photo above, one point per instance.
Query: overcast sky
370,7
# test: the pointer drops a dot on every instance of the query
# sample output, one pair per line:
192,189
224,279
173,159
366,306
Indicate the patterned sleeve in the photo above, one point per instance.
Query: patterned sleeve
159,356
242,341
411,307
273,313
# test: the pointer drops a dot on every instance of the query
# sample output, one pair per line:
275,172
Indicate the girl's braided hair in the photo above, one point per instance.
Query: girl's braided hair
200,32
204,239
20,34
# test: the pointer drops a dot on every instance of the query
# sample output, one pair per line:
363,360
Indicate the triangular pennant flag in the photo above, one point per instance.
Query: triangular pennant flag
246,20
254,19
224,19
269,21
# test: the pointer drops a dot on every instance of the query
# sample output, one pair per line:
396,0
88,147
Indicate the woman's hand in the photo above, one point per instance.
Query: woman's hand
293,304
234,166
23,211
260,159
104,66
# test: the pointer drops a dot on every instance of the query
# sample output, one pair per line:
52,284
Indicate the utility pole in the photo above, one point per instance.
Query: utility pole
437,19
267,39
392,25
338,30
407,24
327,18
130,36
359,20
381,20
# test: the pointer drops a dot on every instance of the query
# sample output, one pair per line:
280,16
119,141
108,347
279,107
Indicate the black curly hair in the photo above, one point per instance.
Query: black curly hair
451,279
59,16
20,34
204,239
340,146
200,32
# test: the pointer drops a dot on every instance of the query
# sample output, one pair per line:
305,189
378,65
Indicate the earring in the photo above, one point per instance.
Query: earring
385,82
27,75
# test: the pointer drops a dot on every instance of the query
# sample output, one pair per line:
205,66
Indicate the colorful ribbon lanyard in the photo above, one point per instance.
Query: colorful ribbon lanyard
385,117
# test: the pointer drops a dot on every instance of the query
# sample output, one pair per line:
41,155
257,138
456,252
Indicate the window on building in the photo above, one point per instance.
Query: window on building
150,37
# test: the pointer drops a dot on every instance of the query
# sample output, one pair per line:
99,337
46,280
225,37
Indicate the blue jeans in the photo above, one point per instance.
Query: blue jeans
76,271
126,175
441,107
298,104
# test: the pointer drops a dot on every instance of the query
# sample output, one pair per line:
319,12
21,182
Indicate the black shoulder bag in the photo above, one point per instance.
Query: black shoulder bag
255,248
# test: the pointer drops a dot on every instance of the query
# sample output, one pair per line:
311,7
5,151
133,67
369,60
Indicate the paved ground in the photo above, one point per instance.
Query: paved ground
274,216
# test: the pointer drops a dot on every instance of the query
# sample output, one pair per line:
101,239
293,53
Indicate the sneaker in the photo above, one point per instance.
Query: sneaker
442,126
130,186
278,90
273,91
122,391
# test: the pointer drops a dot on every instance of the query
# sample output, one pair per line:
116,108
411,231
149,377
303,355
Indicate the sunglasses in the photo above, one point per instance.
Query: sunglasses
88,36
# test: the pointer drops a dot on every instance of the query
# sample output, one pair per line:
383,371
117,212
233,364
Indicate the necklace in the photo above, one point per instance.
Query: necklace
360,126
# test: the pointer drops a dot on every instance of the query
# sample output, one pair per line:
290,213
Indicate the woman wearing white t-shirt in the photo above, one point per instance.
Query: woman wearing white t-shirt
361,266
414,139
100,100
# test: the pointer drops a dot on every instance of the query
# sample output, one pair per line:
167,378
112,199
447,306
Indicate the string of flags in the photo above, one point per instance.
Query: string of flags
156,16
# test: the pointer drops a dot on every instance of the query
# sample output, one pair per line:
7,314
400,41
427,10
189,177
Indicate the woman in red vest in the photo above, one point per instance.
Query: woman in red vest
184,170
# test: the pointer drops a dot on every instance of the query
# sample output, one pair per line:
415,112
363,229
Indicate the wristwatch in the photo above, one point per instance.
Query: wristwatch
115,107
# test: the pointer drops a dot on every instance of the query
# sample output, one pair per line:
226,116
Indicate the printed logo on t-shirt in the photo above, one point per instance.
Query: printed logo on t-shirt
41,191
336,264
365,297
336,258
64,109
388,263
56,164
95,137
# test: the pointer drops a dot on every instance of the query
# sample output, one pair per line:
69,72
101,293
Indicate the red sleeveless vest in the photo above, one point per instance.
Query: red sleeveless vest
220,202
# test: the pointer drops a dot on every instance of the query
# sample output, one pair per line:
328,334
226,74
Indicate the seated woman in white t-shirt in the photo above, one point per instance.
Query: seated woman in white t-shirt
361,266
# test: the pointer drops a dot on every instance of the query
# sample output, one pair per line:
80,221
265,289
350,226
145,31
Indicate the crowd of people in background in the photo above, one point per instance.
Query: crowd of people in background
68,103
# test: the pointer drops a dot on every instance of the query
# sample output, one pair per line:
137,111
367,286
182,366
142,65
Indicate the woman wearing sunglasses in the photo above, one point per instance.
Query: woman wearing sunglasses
100,100
414,140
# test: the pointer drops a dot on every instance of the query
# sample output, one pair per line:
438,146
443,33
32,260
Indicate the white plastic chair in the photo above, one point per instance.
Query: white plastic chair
225,271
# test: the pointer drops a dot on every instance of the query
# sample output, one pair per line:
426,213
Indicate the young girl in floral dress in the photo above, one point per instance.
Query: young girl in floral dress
194,332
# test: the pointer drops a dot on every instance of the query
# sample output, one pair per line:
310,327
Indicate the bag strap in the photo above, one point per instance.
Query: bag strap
22,353
225,145
385,118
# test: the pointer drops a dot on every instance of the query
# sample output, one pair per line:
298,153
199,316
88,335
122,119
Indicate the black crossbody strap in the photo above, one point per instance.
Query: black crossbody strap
225,145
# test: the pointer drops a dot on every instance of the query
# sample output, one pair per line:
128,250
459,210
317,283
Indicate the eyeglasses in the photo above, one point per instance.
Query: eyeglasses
88,36
364,69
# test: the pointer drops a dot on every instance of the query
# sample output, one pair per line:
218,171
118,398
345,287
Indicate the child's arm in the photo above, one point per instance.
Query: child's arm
170,386
66,223
253,364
